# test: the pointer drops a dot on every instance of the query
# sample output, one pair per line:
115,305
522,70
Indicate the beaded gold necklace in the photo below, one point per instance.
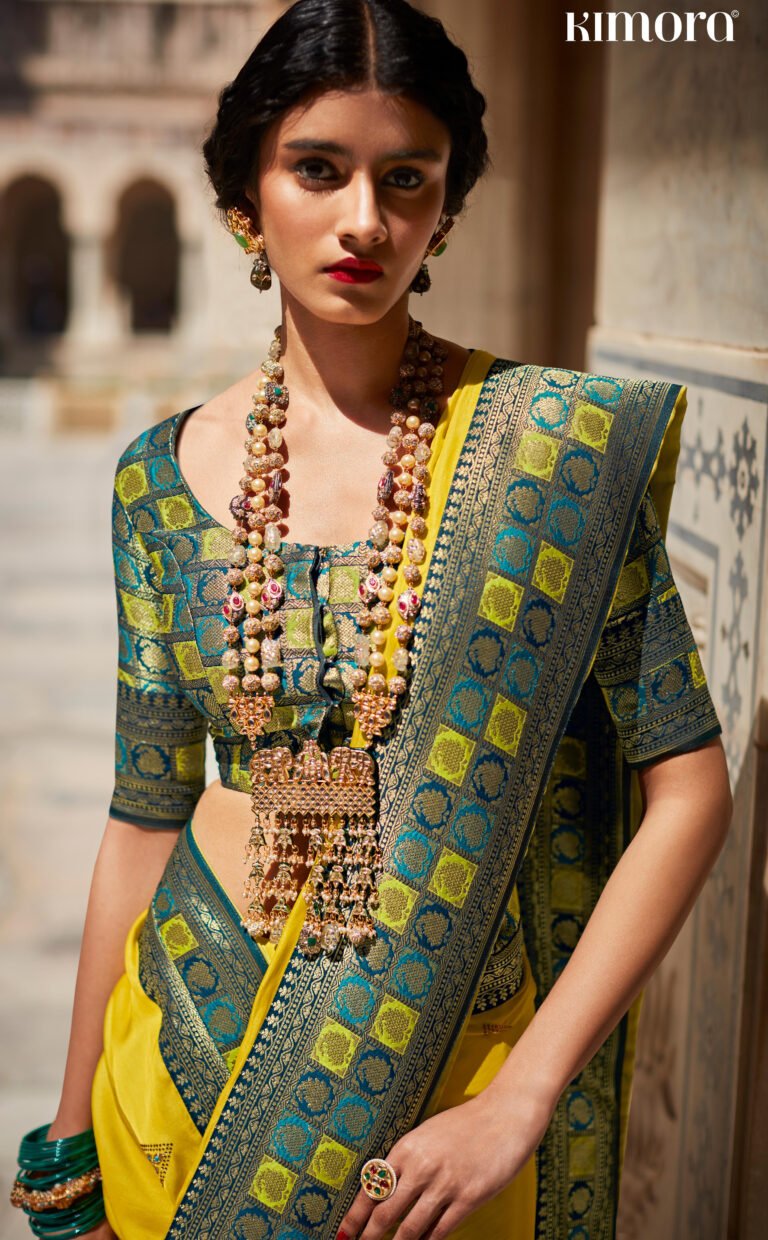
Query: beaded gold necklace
329,797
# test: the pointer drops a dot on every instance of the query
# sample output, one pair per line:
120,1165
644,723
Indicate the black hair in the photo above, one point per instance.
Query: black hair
347,44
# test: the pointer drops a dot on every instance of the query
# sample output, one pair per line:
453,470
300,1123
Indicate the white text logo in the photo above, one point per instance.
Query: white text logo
624,27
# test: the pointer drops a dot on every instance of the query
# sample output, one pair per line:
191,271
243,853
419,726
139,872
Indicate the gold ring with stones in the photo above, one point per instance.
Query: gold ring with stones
378,1178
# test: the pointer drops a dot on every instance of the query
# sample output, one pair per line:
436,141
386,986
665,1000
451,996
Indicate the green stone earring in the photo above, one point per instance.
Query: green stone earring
422,281
242,230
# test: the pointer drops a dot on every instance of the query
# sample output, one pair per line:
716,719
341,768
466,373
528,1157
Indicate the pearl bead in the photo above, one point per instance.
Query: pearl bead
386,594
255,538
389,574
260,431
253,607
252,644
399,517
413,422
377,660
251,663
408,461
379,639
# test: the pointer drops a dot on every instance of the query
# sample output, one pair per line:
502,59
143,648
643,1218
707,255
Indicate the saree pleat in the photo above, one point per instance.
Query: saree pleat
243,1087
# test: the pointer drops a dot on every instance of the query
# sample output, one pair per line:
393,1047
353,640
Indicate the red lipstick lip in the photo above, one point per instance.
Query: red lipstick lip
356,264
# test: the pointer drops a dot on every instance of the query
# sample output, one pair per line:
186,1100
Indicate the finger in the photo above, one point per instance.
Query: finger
423,1217
445,1224
356,1217
387,1214
448,1220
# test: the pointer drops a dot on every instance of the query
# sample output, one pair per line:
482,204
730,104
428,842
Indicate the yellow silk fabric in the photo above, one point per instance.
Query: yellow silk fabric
138,1114
137,1111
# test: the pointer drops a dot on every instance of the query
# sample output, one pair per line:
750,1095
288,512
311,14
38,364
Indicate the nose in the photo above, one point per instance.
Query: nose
360,220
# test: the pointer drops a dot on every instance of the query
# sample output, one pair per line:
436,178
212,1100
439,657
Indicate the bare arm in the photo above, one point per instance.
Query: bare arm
642,907
460,1158
129,864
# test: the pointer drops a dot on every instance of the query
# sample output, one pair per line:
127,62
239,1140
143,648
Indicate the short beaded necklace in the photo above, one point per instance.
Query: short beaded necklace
329,797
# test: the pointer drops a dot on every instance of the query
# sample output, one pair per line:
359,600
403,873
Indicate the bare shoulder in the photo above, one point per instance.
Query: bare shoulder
215,420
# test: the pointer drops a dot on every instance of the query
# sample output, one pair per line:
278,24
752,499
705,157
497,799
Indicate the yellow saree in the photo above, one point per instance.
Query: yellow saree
239,1092
148,1144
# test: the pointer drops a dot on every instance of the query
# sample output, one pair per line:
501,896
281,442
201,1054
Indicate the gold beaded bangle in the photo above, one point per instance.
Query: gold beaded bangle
59,1197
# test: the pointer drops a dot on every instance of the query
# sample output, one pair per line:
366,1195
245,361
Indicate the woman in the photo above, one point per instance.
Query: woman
371,994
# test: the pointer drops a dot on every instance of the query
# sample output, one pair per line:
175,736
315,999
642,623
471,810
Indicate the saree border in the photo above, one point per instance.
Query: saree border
202,970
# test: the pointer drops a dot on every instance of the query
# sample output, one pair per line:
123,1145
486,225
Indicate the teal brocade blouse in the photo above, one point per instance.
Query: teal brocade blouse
170,562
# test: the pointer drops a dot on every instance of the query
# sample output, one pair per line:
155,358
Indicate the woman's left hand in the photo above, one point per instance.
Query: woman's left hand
449,1166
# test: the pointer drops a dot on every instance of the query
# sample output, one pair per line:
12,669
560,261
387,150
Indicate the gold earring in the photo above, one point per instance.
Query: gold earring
422,281
438,245
253,243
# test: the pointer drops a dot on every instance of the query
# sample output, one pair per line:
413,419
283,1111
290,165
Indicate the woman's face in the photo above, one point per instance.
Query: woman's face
351,174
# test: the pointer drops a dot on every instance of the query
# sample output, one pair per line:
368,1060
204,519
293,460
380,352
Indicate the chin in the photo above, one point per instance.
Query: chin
349,305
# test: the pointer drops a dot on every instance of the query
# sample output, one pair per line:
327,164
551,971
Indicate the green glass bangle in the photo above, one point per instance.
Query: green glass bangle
69,1223
36,1153
42,1164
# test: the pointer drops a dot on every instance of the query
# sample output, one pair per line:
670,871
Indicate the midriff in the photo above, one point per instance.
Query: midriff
221,825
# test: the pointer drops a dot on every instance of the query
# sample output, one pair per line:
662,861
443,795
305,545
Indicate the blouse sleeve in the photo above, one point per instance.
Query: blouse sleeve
160,734
647,663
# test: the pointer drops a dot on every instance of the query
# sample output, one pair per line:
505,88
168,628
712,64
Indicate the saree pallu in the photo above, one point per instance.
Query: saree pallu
538,493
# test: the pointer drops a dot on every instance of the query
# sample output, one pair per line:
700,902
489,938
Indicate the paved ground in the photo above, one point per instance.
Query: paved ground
58,652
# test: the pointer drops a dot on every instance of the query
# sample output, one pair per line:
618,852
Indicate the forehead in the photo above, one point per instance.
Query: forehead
365,121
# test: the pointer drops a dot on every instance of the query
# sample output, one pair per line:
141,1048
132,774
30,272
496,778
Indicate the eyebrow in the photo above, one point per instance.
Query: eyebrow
334,148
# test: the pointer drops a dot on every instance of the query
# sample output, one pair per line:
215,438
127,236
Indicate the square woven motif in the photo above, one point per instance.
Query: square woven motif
552,571
505,725
177,937
394,1024
500,601
592,426
396,901
335,1047
272,1184
452,877
450,755
331,1162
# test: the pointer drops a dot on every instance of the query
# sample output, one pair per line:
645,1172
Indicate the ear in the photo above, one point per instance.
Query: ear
254,211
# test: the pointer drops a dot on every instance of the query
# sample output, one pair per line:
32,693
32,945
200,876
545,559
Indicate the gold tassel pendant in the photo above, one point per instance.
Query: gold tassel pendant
330,800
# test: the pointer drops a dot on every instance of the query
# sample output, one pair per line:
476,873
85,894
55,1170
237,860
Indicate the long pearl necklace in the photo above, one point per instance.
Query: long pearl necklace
330,798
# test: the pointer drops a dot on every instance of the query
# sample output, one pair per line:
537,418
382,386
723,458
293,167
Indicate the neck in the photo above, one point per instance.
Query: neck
343,370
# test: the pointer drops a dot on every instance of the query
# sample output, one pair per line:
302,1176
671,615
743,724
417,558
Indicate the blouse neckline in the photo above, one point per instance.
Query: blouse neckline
338,548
